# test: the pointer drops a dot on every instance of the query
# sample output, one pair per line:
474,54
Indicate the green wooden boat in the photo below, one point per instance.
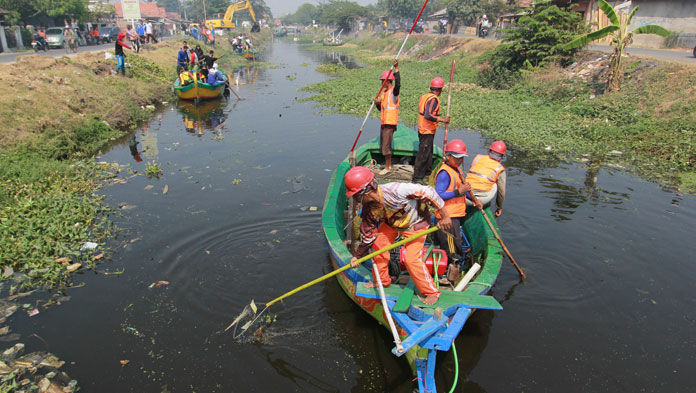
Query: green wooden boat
418,326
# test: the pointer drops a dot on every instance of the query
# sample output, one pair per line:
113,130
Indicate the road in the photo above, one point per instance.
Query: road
661,54
6,58
683,56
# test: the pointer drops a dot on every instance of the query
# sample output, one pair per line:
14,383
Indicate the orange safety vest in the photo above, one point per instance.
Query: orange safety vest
426,126
389,109
456,207
484,172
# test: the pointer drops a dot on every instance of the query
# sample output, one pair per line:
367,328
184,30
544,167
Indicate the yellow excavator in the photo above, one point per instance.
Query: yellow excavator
227,20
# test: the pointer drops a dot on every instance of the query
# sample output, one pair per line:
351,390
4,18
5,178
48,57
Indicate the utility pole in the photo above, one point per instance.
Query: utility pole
205,16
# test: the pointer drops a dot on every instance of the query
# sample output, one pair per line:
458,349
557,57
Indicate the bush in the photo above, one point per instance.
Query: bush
536,40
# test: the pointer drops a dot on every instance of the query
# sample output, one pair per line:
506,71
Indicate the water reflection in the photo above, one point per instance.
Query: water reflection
206,116
133,147
339,58
245,75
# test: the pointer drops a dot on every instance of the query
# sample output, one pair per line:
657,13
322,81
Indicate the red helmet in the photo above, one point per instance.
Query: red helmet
387,74
437,83
498,147
357,179
121,35
456,148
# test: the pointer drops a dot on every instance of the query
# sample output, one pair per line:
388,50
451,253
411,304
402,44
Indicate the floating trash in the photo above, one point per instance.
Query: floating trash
158,284
88,246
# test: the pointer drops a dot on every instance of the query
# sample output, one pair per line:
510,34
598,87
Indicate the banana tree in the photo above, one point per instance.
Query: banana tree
621,38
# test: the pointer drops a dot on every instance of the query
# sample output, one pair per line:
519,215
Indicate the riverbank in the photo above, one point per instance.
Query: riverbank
550,114
58,113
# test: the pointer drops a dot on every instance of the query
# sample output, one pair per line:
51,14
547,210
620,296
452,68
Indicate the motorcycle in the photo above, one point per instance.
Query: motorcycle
39,44
483,31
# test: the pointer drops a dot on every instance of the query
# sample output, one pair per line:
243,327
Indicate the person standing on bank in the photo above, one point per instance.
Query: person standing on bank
454,190
428,119
487,176
118,52
388,105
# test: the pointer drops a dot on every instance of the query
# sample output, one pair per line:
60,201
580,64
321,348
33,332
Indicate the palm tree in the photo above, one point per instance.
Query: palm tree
621,38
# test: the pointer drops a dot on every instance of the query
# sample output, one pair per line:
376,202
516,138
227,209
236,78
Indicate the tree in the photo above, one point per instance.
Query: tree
621,38
341,13
43,10
400,8
169,5
470,11
306,13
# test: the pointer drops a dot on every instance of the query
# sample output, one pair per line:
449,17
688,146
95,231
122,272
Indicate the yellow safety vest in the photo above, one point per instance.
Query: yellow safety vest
426,126
389,109
484,172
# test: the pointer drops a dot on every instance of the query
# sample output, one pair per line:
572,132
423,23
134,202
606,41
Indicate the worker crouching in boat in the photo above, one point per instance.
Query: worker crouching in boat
387,210
452,187
487,176
388,105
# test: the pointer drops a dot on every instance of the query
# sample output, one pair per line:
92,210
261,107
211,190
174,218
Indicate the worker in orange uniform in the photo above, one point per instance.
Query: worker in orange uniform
451,186
388,105
487,176
428,119
387,210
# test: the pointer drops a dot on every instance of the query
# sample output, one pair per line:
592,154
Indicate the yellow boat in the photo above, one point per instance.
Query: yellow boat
200,90
249,54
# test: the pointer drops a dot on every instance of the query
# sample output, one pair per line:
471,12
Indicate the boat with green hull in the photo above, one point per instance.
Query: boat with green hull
423,329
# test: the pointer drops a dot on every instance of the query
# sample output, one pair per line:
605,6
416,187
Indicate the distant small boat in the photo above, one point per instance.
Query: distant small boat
200,90
249,54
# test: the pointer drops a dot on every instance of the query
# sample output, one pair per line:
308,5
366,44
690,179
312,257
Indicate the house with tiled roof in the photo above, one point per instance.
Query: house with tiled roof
149,10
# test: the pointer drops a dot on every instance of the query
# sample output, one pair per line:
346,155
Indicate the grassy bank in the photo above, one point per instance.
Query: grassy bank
57,114
555,113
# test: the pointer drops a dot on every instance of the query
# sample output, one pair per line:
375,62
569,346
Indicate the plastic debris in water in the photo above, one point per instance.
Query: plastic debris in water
158,284
89,246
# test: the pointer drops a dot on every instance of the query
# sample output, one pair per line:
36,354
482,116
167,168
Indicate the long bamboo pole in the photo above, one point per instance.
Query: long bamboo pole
387,313
490,225
449,99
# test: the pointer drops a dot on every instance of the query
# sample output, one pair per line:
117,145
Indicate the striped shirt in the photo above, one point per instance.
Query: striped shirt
403,205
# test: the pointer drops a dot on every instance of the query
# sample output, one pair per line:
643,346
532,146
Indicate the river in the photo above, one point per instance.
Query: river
606,307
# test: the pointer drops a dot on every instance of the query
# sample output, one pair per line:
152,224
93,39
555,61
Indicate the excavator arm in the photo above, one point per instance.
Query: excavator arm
227,20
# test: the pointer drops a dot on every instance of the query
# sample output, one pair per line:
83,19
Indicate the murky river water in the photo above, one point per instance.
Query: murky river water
608,306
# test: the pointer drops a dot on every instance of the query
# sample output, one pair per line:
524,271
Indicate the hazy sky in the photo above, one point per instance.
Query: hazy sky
282,7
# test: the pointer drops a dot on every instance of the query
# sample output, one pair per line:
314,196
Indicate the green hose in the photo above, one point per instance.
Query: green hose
456,367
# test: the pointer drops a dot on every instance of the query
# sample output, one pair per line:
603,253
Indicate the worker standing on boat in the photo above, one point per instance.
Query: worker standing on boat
387,210
388,105
428,118
487,176
454,190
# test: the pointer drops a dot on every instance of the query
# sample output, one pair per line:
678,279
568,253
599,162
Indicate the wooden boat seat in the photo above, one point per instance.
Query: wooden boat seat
447,298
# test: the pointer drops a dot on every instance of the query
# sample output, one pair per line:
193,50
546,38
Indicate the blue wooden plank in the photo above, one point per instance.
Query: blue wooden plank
421,371
405,322
425,331
443,341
